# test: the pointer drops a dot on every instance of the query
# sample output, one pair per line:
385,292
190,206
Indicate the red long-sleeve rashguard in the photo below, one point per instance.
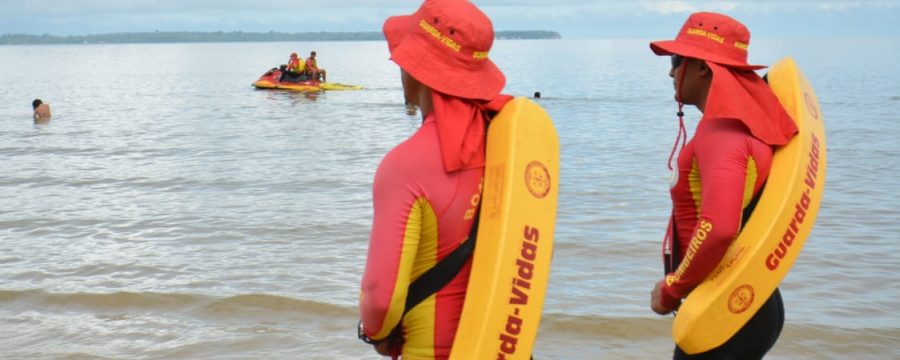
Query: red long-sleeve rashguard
422,214
719,172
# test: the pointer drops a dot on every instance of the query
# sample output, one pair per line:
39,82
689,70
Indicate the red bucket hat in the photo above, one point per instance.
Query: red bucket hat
736,91
445,45
712,37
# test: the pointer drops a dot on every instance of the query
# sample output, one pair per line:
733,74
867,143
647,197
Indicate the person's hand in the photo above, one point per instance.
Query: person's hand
392,346
656,300
383,349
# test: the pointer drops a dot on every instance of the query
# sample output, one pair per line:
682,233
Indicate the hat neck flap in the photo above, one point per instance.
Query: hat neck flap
461,125
744,96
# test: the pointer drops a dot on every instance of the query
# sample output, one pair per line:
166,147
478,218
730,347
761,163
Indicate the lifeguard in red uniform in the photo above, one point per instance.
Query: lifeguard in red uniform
720,170
427,189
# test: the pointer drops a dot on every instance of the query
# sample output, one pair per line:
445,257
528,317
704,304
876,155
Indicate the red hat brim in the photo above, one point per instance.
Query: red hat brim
448,75
674,47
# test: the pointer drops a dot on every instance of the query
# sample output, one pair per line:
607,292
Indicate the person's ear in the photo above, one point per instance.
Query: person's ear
703,69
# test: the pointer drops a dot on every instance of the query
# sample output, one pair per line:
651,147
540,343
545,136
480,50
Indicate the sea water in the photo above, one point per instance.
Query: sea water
171,211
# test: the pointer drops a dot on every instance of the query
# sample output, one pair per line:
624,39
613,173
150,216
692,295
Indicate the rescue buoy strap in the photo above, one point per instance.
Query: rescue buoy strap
441,274
431,281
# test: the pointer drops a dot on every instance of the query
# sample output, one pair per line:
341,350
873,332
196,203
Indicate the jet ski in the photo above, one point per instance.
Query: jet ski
280,78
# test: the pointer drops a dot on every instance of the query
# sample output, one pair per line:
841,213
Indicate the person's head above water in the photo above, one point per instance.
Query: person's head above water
41,110
445,45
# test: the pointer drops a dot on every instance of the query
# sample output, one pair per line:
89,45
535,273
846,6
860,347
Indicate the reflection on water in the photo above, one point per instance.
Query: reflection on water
177,212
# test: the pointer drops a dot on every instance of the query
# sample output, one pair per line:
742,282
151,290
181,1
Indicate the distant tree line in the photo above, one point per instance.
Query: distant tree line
527,34
220,36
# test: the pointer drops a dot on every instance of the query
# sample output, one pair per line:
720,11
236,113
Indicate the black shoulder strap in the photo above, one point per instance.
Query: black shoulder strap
438,276
441,274
751,206
672,259
433,279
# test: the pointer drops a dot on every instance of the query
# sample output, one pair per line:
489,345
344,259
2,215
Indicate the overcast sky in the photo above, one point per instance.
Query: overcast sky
572,18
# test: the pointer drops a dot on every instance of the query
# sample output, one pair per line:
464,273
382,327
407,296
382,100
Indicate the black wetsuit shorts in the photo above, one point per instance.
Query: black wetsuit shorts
753,341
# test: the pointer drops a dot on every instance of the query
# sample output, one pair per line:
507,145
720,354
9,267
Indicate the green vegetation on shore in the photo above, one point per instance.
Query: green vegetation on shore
235,36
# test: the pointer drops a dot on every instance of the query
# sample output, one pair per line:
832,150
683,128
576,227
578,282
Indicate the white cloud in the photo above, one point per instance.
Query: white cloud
667,7
839,6
676,7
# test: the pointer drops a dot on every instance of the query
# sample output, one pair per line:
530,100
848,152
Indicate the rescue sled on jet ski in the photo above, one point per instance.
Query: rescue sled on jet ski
273,79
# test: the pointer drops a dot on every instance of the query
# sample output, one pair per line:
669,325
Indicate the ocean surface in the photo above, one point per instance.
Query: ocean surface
171,211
